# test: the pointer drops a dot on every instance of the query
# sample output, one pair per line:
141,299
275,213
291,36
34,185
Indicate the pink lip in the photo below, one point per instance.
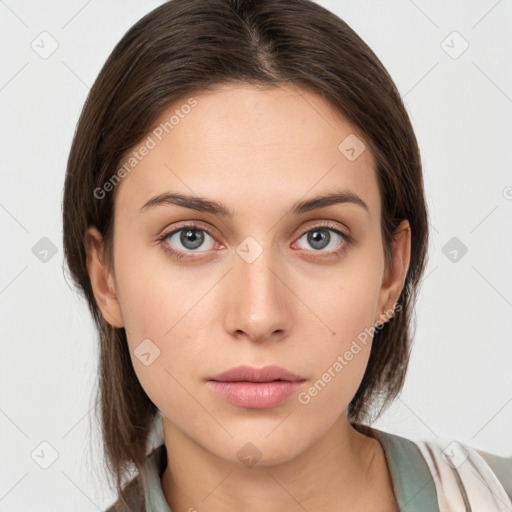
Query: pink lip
250,374
256,388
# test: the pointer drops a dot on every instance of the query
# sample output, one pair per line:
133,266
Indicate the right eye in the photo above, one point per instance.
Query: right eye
186,240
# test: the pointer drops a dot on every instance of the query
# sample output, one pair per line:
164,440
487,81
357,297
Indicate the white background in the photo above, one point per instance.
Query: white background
460,381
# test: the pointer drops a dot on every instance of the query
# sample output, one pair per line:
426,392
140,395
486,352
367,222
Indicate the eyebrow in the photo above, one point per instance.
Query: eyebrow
201,204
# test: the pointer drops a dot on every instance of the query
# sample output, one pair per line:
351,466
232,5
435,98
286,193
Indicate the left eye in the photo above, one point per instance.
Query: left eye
320,238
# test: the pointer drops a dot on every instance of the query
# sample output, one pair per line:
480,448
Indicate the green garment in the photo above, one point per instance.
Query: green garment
413,484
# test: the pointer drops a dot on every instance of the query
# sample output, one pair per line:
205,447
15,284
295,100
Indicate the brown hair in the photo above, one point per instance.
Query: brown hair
187,46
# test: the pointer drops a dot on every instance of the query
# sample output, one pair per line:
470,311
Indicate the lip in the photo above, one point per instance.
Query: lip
247,373
256,388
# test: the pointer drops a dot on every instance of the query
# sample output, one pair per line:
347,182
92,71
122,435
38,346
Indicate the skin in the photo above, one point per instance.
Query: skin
297,306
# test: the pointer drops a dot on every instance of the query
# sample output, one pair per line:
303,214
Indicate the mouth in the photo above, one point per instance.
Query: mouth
254,388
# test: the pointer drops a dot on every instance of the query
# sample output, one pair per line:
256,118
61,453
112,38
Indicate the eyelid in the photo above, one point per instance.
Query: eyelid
327,224
190,224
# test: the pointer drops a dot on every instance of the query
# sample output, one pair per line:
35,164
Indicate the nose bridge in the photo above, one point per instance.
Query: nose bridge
257,306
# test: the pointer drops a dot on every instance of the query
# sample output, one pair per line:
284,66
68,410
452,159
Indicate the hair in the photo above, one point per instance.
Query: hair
189,46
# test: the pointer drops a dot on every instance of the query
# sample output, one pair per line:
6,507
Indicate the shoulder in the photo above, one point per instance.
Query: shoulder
134,497
464,477
459,473
502,468
144,492
413,484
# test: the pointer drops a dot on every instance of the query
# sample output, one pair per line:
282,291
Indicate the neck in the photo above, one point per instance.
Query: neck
342,470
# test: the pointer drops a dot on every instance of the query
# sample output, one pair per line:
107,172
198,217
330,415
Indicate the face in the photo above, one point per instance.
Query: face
256,280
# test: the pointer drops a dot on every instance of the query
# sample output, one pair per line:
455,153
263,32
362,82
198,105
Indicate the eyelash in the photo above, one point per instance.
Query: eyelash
347,240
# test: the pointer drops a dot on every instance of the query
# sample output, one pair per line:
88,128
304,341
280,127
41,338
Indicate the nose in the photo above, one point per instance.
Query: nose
259,304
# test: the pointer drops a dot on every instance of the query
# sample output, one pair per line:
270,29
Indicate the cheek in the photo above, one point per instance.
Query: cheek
337,380
345,297
340,357
339,360
347,307
150,291
163,311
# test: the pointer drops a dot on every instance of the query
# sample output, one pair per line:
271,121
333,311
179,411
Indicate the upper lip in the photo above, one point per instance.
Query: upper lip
250,374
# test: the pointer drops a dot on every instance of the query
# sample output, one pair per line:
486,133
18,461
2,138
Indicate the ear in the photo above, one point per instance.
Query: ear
102,279
394,275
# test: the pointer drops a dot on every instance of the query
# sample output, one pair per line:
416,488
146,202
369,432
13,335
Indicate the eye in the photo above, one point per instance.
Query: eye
324,238
187,239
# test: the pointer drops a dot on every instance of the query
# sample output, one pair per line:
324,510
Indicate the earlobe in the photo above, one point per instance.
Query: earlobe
394,276
102,281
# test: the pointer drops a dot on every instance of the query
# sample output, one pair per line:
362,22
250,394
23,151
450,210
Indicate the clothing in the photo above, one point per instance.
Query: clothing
422,482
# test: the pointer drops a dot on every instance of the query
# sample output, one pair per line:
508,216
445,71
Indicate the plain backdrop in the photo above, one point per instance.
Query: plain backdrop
451,61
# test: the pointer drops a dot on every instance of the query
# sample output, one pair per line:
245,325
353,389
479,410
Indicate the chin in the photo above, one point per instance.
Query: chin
260,450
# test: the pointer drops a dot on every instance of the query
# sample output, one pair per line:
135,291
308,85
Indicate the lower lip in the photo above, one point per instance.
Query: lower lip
256,395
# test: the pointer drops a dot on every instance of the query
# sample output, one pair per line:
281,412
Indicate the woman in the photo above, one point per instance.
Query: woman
244,212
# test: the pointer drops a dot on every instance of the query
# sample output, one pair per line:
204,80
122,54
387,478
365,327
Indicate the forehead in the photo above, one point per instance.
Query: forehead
248,146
